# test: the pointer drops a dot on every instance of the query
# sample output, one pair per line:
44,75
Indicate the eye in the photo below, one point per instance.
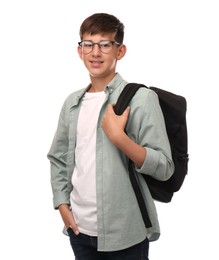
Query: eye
105,44
88,44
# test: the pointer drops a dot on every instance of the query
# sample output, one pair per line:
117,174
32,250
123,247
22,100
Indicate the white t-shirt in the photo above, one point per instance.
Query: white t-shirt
83,196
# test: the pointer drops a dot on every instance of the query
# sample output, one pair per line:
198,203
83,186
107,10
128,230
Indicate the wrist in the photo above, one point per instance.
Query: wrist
64,207
118,138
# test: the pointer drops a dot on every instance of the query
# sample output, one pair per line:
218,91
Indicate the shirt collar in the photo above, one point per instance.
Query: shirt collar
111,86
114,83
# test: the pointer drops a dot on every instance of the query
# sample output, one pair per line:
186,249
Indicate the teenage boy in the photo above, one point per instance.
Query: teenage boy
90,153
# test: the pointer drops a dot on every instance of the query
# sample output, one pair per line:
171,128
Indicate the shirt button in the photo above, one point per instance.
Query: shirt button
110,90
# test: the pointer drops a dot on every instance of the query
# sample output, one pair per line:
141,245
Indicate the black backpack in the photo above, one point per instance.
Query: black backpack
174,111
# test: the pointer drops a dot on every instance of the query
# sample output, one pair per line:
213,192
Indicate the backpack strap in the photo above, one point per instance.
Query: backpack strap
123,101
125,97
139,195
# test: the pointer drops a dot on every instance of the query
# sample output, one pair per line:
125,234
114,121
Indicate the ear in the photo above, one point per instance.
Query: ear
79,52
121,52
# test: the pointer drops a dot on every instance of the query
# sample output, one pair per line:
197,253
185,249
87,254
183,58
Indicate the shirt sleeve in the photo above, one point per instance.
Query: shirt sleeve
57,156
152,136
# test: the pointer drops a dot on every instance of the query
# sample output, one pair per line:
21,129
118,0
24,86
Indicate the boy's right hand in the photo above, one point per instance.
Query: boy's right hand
68,218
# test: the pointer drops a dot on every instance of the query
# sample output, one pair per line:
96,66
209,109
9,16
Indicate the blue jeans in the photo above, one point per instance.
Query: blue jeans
85,248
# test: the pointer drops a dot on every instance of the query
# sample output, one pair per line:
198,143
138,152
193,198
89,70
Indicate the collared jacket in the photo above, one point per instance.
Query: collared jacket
120,224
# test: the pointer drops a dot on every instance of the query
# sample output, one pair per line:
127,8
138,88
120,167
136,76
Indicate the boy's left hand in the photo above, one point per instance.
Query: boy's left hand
114,125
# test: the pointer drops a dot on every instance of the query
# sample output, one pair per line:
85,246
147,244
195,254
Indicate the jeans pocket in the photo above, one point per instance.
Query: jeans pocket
70,231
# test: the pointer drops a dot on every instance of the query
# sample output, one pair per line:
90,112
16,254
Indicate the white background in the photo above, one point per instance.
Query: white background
172,45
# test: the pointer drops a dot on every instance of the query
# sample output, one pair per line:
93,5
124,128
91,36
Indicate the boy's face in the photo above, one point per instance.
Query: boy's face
99,64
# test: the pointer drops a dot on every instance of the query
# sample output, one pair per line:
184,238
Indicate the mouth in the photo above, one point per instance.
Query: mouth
96,63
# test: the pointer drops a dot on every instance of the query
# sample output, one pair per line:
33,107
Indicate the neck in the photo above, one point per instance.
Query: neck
95,88
99,84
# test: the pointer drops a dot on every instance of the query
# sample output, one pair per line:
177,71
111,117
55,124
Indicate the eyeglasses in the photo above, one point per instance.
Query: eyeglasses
104,46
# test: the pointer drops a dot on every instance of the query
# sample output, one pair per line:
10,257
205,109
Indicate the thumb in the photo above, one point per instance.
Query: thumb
110,107
75,229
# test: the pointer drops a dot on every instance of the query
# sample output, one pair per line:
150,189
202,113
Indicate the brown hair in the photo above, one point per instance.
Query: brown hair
102,23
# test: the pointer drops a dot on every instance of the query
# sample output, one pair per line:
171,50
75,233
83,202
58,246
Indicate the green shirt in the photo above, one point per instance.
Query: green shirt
120,224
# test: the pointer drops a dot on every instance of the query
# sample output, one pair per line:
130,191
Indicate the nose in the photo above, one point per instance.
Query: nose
96,49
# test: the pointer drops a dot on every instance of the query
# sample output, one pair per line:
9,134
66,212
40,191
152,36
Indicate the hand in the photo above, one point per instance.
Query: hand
114,125
68,218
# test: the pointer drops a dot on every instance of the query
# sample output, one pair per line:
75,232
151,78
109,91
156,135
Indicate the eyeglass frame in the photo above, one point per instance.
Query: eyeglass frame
98,43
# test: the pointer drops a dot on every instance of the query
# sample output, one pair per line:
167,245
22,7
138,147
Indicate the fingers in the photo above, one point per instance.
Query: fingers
126,112
111,109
